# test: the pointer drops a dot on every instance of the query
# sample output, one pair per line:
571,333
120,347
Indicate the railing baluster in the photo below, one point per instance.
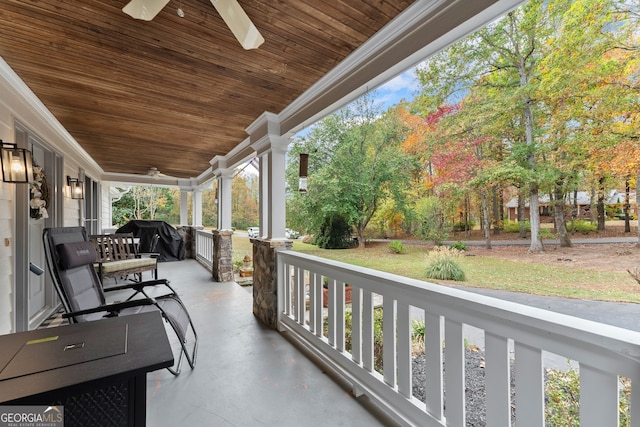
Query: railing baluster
404,350
317,303
389,340
367,330
529,386
288,277
497,380
454,373
598,398
331,297
433,352
340,316
300,294
356,324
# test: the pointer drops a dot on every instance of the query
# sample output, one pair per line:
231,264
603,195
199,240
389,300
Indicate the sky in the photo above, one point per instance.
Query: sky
404,86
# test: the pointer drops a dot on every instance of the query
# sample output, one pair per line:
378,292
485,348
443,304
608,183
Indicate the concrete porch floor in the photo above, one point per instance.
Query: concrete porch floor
246,374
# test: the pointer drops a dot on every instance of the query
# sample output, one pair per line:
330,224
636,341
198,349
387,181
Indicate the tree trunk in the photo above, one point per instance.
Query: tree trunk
600,207
574,210
486,221
534,215
496,211
627,225
521,217
361,243
559,218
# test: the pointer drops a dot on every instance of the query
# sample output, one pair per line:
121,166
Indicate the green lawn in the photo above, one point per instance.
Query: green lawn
483,272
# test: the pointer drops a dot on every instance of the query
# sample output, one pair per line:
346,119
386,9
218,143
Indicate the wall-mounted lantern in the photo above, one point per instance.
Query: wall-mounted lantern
17,163
76,188
304,166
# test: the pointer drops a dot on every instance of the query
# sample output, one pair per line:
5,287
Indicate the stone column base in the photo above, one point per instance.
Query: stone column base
222,256
188,234
265,279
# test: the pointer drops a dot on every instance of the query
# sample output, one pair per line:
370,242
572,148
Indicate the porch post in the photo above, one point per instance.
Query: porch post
222,269
197,208
277,188
224,199
184,207
263,191
271,149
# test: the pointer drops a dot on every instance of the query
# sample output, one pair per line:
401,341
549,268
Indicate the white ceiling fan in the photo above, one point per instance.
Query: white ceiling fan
230,10
155,173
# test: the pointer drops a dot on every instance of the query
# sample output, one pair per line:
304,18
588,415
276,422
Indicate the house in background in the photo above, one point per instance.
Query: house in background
614,202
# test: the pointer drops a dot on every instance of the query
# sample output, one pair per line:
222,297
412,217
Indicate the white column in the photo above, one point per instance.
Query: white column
277,188
224,199
184,207
197,208
271,149
263,196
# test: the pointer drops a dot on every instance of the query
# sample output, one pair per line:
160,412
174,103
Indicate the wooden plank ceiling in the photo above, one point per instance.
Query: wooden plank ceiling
174,92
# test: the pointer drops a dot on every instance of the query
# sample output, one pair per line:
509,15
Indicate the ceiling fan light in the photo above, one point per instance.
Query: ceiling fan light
239,23
145,10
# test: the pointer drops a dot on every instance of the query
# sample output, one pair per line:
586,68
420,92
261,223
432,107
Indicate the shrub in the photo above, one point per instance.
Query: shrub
463,225
430,217
582,226
562,390
545,233
418,329
335,233
459,246
396,247
514,226
237,263
443,266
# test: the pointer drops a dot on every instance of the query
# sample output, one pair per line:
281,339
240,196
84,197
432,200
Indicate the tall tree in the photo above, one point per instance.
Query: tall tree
354,165
498,65
589,81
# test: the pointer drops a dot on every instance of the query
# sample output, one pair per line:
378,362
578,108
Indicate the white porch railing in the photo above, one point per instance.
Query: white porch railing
204,248
604,353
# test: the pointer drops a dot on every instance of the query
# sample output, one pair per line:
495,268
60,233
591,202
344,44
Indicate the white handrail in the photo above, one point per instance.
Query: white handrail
604,352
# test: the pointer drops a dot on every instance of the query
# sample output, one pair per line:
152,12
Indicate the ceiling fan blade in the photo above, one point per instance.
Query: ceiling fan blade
239,23
144,9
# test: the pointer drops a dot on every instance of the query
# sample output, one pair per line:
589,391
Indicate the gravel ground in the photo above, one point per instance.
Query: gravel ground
475,392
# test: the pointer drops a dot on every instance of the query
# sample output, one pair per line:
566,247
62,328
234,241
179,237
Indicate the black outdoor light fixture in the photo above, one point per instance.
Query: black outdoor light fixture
304,166
17,163
76,187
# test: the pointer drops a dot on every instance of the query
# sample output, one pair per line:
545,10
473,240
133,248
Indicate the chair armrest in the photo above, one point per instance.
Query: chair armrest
138,286
148,255
111,308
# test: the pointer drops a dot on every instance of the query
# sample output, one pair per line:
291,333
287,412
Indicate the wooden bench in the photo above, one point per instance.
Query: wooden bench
118,257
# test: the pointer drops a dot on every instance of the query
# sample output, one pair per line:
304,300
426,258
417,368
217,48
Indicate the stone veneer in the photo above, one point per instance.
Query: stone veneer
188,234
265,279
222,256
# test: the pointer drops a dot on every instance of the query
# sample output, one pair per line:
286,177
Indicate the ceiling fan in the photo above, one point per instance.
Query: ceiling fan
155,173
230,10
